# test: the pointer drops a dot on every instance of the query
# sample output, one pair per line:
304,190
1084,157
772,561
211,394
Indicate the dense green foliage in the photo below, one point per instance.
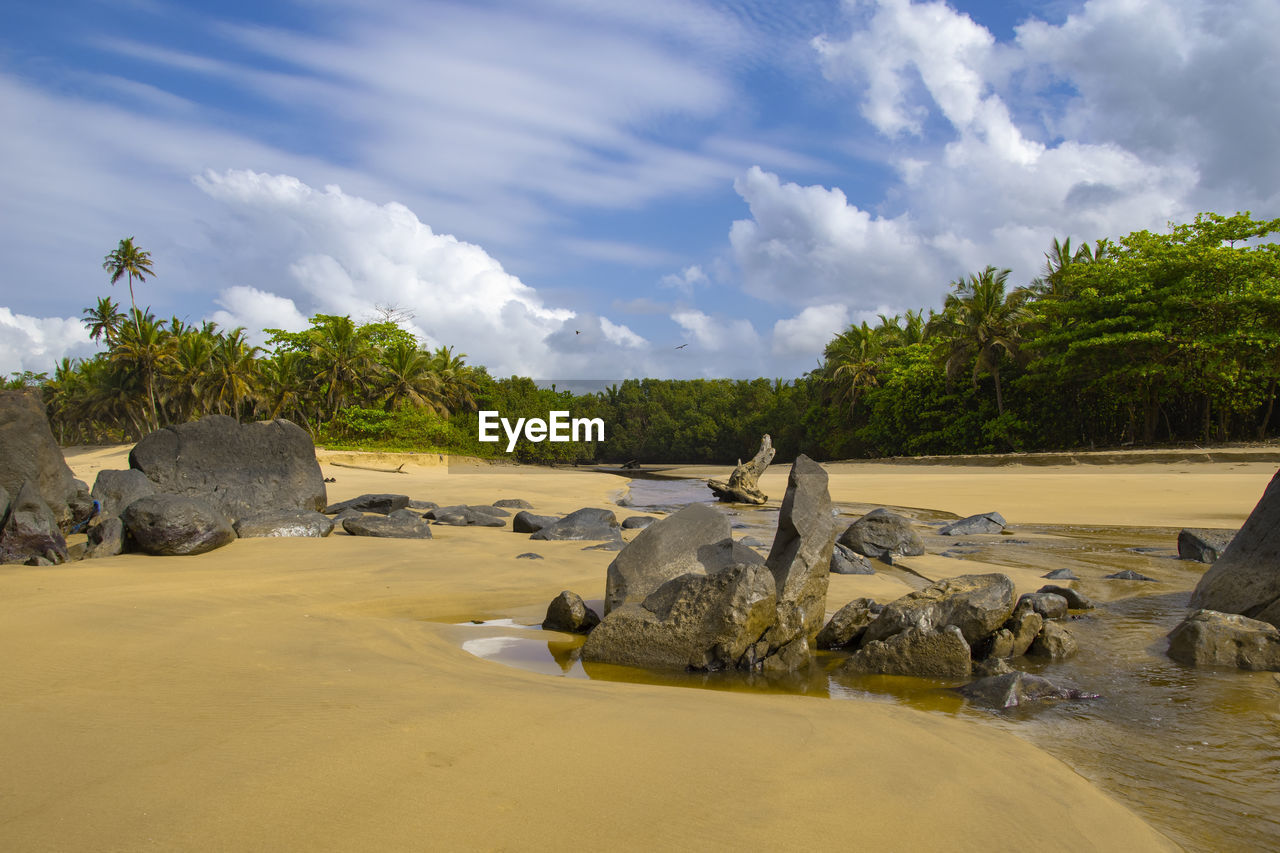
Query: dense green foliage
1169,338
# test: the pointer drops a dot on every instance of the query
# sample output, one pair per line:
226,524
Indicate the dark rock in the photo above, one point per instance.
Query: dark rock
976,604
115,490
1128,575
846,561
1210,638
527,522
168,525
586,524
29,454
997,646
31,529
454,516
422,506
1054,642
491,511
387,527
742,486
345,514
1047,604
106,538
1246,577
1075,601
529,555
800,558
922,653
987,522
1061,575
569,613
847,624
607,545
1203,546
284,523
637,522
513,503
241,469
882,532
991,666
1024,625
379,503
1016,688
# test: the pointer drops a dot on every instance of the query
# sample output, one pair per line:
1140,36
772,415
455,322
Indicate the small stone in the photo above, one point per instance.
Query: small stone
1047,604
1061,575
569,613
1129,575
529,555
1075,601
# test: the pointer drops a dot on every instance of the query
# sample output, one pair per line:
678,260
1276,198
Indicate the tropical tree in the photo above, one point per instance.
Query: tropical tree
131,261
146,351
103,321
408,378
233,372
851,362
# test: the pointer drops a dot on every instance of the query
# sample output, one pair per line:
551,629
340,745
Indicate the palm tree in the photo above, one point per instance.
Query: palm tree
128,260
344,360
285,385
103,321
407,377
189,379
145,352
982,322
233,370
852,360
457,380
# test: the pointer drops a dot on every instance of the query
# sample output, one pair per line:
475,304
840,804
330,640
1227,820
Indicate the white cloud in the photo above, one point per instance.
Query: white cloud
718,334
621,335
257,310
808,332
685,280
38,343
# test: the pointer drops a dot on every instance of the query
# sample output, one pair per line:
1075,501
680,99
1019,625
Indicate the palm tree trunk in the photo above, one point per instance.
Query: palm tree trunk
1266,418
995,374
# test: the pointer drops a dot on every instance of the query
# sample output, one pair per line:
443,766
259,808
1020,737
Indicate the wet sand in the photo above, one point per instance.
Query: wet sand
311,694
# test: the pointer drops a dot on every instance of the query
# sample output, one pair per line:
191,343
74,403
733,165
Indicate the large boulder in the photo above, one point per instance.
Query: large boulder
587,523
881,532
115,490
569,613
390,526
242,469
29,454
1203,545
800,558
976,604
987,522
846,561
916,651
30,530
1209,638
176,525
1050,605
383,504
526,522
1246,577
1016,688
285,523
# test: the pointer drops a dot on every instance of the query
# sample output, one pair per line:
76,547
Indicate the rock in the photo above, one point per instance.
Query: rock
422,506
1047,604
31,529
1245,579
987,522
693,540
1210,638
800,558
513,503
167,525
1054,642
637,522
491,511
115,490
742,486
1075,601
527,522
1025,625
106,538
529,555
991,666
454,516
382,504
846,561
1128,575
347,513
284,522
607,545
976,604
1061,575
29,454
587,523
1016,688
847,624
881,532
996,647
241,469
694,622
387,527
1202,545
915,651
569,613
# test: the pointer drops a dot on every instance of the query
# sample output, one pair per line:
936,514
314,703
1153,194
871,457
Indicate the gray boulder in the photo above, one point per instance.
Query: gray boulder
422,506
1054,642
1061,575
176,525
454,516
1210,638
1203,545
1016,688
242,469
584,524
915,651
881,532
513,503
987,522
31,531
847,624
106,538
1047,604
387,527
1075,601
569,613
29,454
527,522
115,490
800,558
1024,625
976,604
1246,577
846,561
637,522
285,523
383,504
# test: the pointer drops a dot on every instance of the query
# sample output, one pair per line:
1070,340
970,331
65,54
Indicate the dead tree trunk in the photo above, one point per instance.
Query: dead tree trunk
742,487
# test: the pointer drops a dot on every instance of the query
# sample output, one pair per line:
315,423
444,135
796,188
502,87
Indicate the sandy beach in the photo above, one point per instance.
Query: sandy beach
313,694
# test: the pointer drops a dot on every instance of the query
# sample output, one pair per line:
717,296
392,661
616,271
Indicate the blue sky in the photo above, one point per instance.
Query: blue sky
573,188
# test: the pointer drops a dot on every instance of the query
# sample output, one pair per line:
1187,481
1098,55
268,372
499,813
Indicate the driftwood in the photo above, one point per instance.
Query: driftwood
395,470
742,487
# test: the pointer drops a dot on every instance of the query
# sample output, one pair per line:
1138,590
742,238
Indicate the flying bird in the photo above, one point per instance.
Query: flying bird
682,346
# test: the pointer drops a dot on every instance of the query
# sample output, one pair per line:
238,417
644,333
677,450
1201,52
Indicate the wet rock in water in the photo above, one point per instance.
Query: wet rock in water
1210,638
991,666
1054,642
1061,575
1128,575
847,624
1203,545
513,503
382,504
881,532
587,523
106,538
492,511
977,604
987,522
846,561
1047,604
31,529
29,454
527,522
1246,577
115,490
386,527
422,506
1025,625
996,646
167,525
569,613
1016,688
638,522
742,486
608,545
285,523
800,558
1075,601
915,651
529,555
242,469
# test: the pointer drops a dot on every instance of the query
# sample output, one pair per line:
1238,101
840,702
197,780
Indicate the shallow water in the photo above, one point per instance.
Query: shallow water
1196,752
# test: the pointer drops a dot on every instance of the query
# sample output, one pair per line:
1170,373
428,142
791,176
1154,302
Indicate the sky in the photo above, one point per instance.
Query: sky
591,189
